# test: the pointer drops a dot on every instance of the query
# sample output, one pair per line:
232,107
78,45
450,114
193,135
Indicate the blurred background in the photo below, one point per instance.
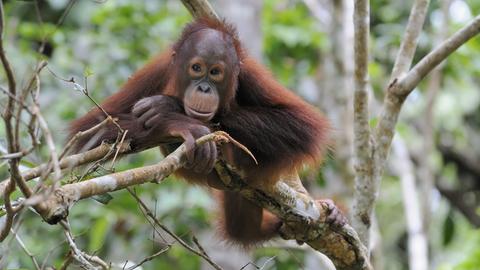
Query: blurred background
308,45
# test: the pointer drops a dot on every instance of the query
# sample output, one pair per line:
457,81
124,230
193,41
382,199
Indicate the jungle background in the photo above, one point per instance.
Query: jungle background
308,47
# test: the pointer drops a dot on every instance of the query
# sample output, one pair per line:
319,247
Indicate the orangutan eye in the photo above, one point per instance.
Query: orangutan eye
215,71
196,68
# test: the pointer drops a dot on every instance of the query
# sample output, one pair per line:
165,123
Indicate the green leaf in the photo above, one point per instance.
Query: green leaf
98,233
103,198
448,229
88,72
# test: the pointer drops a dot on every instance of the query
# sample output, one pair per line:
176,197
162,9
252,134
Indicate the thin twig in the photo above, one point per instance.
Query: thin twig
83,134
173,235
52,250
48,138
67,261
21,103
81,257
199,246
149,258
259,267
10,212
25,249
124,134
85,91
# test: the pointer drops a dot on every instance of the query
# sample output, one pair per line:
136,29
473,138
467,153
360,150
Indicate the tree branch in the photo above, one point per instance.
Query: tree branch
396,94
64,197
435,57
410,39
200,8
398,90
69,162
364,188
303,220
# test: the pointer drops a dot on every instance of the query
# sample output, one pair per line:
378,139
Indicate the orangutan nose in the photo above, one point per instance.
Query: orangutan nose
204,88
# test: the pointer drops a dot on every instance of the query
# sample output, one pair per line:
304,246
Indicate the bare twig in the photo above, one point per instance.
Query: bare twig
124,134
22,97
59,22
5,62
25,249
67,262
199,246
84,134
48,138
149,258
17,154
52,250
20,102
173,235
81,257
259,267
84,90
12,139
10,212
410,39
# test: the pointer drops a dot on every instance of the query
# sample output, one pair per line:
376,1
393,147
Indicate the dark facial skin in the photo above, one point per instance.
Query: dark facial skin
208,68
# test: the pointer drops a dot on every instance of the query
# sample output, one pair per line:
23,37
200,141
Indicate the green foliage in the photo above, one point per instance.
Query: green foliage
98,234
471,263
292,45
448,229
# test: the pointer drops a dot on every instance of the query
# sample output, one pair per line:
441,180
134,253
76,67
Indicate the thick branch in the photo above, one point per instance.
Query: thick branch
362,143
396,94
69,162
64,197
200,8
304,220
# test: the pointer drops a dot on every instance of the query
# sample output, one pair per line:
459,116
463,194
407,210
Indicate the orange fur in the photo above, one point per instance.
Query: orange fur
282,131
